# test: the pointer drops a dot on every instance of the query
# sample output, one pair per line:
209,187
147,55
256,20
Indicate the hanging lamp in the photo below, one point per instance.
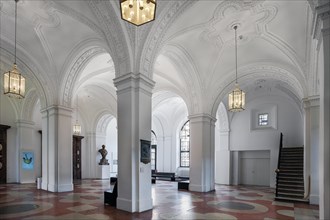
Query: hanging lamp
236,99
13,81
138,12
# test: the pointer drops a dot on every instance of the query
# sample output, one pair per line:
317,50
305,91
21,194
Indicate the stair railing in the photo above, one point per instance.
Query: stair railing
277,171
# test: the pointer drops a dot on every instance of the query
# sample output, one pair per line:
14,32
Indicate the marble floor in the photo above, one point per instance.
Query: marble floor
24,201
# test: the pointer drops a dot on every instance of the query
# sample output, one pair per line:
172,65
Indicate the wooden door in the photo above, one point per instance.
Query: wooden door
3,153
76,153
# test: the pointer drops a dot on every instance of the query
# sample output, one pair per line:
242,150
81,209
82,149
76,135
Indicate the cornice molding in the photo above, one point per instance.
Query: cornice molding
202,117
131,79
322,13
312,101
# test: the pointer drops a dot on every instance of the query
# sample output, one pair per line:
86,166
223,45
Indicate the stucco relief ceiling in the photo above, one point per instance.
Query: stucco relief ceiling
267,32
197,51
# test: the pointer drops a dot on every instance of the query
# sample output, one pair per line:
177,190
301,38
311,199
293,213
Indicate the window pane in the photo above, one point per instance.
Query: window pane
185,159
185,145
263,119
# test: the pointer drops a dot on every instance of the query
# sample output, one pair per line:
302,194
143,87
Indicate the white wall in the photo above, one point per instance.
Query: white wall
30,140
288,120
112,145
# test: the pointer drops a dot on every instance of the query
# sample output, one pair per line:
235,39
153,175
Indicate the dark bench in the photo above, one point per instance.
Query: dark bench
164,175
110,196
183,184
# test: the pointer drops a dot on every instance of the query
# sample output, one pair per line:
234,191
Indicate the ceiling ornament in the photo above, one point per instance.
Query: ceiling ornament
236,99
13,81
248,15
138,12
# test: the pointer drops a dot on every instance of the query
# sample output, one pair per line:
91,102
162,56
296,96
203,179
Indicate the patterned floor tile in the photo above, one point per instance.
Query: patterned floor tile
24,201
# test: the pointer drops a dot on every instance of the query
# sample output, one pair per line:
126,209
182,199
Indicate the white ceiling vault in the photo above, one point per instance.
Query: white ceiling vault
71,47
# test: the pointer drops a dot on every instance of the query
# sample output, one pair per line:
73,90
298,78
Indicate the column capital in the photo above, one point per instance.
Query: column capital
133,80
322,13
311,101
202,117
56,108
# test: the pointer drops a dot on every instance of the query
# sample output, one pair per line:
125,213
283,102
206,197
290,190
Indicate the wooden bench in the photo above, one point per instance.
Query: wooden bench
183,184
110,196
164,175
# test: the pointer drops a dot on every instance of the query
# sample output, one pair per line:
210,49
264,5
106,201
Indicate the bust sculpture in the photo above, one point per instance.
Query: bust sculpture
104,153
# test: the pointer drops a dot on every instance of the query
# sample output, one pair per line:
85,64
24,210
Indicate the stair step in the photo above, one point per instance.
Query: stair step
291,182
281,185
291,195
291,177
287,170
291,166
291,190
291,199
292,148
292,155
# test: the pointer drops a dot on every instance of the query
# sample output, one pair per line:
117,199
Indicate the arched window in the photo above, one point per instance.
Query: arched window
153,151
185,145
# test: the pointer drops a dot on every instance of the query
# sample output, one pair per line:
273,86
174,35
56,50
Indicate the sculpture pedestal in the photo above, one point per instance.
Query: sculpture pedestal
103,171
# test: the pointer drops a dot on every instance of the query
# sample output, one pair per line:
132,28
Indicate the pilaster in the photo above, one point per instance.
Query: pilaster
311,151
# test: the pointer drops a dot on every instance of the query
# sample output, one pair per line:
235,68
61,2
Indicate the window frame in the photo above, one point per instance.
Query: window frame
188,143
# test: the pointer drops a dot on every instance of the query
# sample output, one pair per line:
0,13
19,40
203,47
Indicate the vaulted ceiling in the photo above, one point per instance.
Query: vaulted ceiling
66,47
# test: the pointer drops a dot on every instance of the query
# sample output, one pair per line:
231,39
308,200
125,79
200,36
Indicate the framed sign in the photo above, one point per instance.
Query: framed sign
27,158
145,151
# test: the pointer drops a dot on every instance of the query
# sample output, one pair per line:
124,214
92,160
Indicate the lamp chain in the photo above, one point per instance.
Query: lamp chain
236,50
15,26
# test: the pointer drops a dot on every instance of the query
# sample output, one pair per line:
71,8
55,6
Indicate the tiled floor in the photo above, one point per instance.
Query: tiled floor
24,201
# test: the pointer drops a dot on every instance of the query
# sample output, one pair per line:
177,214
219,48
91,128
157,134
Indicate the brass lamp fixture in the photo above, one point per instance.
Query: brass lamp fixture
236,99
13,81
138,12
77,126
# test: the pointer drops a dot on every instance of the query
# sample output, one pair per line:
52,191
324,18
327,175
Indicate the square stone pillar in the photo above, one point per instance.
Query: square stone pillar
57,149
322,32
202,128
134,124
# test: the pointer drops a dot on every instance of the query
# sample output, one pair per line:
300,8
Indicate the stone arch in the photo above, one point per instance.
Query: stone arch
155,40
106,13
75,66
181,60
265,71
31,99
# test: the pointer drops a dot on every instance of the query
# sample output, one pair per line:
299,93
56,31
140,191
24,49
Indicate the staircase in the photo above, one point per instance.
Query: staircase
290,174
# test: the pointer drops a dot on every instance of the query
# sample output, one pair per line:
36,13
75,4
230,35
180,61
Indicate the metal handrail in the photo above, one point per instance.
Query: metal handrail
277,171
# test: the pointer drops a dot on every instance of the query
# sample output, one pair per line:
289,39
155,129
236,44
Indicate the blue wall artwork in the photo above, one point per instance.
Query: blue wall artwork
27,160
